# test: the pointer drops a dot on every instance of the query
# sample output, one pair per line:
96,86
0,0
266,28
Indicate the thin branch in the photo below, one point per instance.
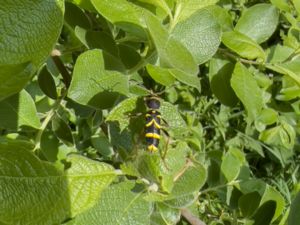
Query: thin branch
193,220
236,58
55,54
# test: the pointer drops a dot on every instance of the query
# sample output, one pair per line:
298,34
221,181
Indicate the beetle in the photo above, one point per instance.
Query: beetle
153,123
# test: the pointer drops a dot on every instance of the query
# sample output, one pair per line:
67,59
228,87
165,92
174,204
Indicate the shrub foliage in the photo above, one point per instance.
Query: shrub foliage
74,76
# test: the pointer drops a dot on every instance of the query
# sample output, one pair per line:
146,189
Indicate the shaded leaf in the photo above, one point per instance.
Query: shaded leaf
123,14
17,111
14,78
247,90
248,203
101,87
294,216
46,83
62,130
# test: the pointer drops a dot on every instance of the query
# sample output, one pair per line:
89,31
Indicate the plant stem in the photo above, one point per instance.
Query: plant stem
236,58
193,220
55,54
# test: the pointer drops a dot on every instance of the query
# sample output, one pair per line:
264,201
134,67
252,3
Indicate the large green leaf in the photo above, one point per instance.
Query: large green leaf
172,53
29,30
93,85
123,14
17,111
14,78
26,37
243,45
40,194
186,8
200,33
247,90
121,204
258,22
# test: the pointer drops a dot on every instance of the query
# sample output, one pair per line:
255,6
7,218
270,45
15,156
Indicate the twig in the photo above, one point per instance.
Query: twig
193,220
226,53
55,54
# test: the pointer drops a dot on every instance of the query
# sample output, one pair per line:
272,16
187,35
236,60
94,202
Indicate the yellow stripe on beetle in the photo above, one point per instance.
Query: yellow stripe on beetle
152,135
152,148
153,121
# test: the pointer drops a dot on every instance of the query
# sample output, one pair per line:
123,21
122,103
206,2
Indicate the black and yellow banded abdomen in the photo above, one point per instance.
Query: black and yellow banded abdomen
152,126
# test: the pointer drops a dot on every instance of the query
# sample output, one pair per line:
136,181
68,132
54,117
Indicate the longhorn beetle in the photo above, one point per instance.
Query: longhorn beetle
153,123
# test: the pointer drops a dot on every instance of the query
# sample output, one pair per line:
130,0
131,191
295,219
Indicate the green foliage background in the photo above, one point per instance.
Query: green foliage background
73,78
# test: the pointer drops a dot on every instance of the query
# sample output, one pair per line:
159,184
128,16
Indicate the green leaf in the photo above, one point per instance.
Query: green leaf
62,130
282,135
265,213
165,215
271,194
119,112
132,21
14,78
172,53
87,179
175,123
34,183
32,37
186,186
100,39
222,16
18,111
279,53
243,45
74,16
49,145
186,8
122,203
281,4
248,203
191,80
267,116
101,87
294,216
161,4
297,5
258,22
220,73
243,83
283,69
160,75
190,181
84,4
46,83
231,164
200,33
